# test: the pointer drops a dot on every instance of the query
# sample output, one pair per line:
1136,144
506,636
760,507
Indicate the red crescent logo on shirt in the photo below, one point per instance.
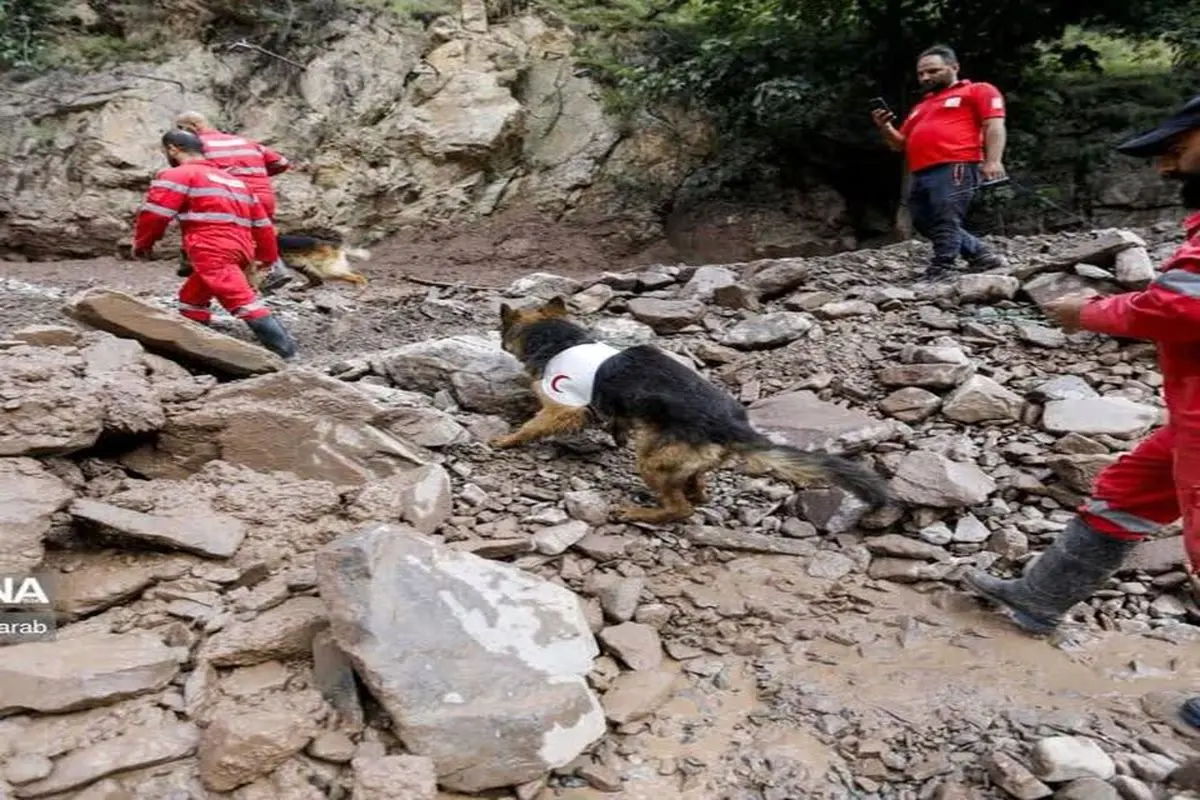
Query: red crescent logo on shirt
554,382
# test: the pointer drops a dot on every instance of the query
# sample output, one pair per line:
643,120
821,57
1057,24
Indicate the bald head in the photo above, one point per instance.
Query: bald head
192,121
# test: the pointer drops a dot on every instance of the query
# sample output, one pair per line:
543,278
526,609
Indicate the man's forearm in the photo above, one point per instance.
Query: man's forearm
994,139
892,138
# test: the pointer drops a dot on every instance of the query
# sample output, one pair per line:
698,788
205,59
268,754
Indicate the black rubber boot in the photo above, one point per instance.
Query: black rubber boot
270,331
1078,564
985,262
935,272
277,278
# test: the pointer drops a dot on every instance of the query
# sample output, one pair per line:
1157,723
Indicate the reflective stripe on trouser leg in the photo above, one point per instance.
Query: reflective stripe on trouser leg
222,275
254,310
1136,495
195,313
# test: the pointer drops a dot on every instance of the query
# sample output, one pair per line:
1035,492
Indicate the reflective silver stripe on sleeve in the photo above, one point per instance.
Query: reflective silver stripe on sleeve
261,223
217,191
234,142
1122,519
247,170
162,211
1179,281
189,307
172,185
201,216
236,153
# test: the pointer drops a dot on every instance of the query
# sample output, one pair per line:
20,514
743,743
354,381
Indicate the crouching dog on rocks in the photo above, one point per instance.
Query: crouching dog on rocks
681,426
224,229
1157,482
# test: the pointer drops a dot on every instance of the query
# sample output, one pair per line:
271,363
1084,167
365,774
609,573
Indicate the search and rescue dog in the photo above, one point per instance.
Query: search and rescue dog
318,255
682,426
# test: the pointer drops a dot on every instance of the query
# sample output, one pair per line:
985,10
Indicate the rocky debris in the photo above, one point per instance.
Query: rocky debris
298,421
482,376
29,496
142,747
196,529
48,409
742,653
84,671
167,333
514,652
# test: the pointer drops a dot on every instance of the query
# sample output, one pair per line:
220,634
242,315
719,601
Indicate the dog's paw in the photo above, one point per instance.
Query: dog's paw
503,442
632,513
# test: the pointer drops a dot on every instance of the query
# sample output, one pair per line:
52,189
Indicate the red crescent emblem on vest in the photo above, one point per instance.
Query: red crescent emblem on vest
554,382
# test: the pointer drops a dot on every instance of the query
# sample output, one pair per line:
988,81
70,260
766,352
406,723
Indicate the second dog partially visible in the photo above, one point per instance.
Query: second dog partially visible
320,255
681,425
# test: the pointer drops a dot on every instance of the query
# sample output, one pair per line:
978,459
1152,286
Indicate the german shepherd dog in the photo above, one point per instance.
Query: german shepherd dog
319,255
681,426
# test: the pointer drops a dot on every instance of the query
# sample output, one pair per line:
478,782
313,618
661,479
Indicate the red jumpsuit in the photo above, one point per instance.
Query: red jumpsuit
1159,480
248,160
224,227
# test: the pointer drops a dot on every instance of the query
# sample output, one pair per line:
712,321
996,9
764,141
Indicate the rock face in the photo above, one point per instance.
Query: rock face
166,332
512,652
441,102
297,421
28,496
51,411
482,376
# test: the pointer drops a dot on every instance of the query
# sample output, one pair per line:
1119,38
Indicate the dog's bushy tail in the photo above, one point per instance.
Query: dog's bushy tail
360,253
802,467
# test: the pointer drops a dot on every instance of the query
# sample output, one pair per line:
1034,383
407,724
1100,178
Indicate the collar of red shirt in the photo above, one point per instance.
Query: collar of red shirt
1191,224
955,85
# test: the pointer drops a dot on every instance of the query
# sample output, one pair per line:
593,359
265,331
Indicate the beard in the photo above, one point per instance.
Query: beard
934,84
1189,191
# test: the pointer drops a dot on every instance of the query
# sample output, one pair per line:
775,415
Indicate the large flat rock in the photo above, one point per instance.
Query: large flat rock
480,664
84,671
166,332
803,420
297,421
482,376
206,533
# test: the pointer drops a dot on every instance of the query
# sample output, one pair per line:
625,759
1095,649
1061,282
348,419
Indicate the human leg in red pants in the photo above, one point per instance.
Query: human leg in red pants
1131,498
219,275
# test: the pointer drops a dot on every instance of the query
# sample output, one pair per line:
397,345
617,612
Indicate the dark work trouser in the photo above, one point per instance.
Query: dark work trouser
938,199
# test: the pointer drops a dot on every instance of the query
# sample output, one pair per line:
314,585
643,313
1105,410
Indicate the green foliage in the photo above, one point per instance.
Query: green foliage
24,26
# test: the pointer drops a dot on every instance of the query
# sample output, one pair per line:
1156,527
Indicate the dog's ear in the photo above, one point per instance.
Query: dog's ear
508,315
555,307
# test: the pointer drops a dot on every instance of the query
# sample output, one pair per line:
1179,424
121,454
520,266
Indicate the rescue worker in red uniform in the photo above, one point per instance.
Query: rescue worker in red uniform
252,163
224,228
951,140
1158,481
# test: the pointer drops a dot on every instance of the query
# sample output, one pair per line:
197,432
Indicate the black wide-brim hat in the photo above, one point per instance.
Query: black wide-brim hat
1154,142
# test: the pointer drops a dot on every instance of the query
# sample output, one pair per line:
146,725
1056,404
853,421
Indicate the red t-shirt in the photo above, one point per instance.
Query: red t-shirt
947,125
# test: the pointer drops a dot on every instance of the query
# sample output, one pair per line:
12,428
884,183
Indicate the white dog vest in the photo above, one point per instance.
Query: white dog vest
569,376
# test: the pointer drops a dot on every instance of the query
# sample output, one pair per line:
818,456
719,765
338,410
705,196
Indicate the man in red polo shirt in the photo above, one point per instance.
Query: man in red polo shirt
951,140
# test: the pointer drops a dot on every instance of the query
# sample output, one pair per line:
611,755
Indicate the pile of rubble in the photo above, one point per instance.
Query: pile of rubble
319,581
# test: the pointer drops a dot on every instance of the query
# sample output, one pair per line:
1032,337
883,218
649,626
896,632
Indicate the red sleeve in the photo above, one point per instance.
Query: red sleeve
275,162
906,126
989,103
1168,310
266,247
165,199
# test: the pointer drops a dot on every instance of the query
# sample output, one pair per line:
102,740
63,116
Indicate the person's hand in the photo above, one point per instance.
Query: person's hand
882,117
1066,311
992,170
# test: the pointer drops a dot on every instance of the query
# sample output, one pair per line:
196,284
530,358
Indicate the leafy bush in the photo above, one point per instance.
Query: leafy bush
24,26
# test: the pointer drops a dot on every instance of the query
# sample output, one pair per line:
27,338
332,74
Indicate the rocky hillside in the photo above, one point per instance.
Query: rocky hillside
399,123
320,582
